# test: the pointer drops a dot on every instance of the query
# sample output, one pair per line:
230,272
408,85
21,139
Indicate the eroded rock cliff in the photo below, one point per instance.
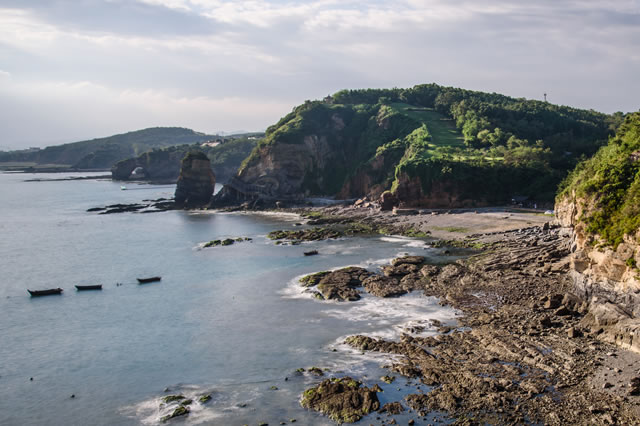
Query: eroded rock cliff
196,181
600,210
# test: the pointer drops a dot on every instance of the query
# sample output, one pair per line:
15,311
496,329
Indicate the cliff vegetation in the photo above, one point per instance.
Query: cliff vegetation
428,144
608,186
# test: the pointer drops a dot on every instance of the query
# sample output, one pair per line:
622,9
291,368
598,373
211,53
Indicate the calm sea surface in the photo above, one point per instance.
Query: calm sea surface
230,321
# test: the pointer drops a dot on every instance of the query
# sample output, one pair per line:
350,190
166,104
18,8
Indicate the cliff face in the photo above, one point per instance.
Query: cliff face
604,277
442,194
164,164
314,150
599,210
156,165
196,181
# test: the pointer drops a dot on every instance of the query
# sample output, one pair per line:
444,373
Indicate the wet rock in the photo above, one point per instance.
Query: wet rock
429,270
172,398
399,270
387,379
392,408
344,400
316,371
313,234
383,286
342,284
180,411
413,260
205,398
412,282
312,279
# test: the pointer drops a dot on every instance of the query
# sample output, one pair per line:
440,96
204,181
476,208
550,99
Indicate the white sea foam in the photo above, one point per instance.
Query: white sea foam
151,411
293,289
388,317
406,241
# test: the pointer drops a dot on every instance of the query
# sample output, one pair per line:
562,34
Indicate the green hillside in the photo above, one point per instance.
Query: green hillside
608,185
104,152
483,146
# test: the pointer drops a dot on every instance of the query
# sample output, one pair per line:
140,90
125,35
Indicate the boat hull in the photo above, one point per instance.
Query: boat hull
49,292
89,287
148,280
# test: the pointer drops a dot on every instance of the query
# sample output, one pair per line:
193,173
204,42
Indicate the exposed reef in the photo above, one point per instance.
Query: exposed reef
343,400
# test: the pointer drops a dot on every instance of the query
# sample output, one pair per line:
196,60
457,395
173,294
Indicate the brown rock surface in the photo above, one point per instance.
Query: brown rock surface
196,182
343,400
508,367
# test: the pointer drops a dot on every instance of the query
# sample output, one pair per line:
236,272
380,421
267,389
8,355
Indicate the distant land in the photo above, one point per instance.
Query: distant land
101,153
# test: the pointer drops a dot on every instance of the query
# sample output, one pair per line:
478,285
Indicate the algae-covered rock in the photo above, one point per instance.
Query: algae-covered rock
387,379
313,234
392,408
316,371
227,242
343,400
413,260
172,398
205,398
312,279
213,243
180,411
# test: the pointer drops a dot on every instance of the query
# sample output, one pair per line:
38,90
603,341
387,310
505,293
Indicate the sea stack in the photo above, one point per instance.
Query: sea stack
196,181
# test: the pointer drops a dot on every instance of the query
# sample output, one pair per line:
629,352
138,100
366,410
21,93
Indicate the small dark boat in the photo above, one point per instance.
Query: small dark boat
45,292
148,280
311,253
89,287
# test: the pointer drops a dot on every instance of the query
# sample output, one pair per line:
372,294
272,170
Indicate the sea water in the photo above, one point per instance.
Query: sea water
229,321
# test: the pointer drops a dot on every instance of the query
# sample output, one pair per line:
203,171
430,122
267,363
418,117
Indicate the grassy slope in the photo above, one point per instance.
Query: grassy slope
442,129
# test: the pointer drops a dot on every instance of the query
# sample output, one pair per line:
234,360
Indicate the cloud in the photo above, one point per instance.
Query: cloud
582,52
89,109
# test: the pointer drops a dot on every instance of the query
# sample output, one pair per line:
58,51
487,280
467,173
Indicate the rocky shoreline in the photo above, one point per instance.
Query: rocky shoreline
527,348
524,349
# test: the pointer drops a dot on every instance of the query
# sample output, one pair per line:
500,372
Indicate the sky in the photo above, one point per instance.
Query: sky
79,69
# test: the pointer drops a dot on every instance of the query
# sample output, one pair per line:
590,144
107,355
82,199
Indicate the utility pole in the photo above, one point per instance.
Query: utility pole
545,97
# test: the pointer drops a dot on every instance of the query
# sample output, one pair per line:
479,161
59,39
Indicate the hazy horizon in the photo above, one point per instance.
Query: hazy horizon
72,71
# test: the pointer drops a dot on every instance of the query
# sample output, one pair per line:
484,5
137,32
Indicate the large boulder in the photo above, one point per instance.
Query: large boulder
196,181
341,284
388,201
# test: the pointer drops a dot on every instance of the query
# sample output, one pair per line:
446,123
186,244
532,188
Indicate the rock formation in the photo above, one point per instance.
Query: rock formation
605,278
196,181
344,400
600,210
